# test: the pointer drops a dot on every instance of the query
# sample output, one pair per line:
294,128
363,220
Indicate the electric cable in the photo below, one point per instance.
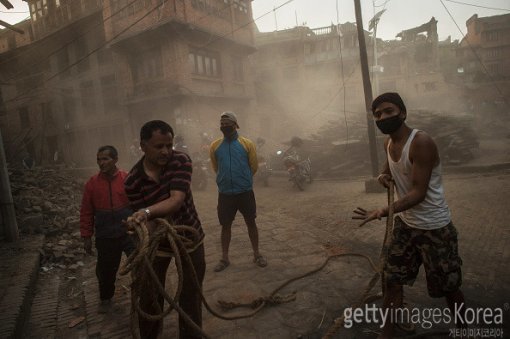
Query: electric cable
473,5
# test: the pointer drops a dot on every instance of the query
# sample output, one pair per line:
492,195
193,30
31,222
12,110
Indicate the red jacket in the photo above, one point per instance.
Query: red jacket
104,206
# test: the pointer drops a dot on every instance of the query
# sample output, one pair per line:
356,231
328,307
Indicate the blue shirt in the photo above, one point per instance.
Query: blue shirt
235,162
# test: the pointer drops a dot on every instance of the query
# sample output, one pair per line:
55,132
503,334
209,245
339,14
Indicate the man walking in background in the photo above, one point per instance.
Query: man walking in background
234,159
103,208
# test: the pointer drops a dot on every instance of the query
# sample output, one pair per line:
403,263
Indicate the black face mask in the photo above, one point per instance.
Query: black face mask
227,130
389,125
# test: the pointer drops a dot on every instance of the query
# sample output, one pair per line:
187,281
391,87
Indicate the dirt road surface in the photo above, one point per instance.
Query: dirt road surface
297,231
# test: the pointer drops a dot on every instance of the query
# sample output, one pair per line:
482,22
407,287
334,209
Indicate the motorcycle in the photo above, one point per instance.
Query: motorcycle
300,171
264,171
200,174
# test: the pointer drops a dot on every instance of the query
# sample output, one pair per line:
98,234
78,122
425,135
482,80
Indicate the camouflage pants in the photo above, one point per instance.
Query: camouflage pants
438,251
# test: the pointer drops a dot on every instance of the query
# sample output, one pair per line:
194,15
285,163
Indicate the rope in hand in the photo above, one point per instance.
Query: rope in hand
139,264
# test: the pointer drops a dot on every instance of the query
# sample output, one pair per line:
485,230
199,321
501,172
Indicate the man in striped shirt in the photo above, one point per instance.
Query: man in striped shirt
158,186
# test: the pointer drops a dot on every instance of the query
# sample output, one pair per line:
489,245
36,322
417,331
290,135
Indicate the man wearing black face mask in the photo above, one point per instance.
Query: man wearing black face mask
234,159
423,231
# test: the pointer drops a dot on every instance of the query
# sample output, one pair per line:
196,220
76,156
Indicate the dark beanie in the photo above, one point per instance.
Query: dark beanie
392,97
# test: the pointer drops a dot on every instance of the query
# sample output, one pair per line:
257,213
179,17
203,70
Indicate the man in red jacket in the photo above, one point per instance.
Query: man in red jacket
103,208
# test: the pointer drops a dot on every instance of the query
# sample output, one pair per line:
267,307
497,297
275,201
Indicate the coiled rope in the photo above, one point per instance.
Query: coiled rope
139,264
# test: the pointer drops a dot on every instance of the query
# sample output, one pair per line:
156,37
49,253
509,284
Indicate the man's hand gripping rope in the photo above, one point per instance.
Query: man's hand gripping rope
139,263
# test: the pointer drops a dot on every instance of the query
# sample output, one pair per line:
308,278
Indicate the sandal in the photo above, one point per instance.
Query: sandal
221,265
260,261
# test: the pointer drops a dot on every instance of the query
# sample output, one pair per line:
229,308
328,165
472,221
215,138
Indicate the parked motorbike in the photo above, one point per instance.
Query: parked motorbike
300,171
200,174
264,171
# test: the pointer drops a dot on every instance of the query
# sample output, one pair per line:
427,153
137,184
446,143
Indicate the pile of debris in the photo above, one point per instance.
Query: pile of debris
47,201
454,136
336,155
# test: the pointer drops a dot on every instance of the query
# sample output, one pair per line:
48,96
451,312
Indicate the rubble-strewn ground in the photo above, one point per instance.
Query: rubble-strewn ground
296,228
47,201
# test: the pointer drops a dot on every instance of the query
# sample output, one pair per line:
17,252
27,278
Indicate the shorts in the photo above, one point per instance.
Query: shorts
229,204
438,251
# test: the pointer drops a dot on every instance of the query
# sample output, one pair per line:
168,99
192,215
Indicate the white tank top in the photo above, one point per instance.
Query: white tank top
431,213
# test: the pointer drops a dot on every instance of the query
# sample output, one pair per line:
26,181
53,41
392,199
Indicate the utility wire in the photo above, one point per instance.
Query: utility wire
476,55
342,69
337,93
468,4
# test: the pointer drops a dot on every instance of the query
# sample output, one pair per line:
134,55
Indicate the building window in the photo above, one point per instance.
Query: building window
80,49
147,66
68,104
192,61
47,113
63,62
33,12
87,97
494,52
125,8
109,90
24,118
211,8
237,64
205,63
494,69
492,36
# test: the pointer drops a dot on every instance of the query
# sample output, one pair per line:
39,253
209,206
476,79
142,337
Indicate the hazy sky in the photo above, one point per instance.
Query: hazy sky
399,15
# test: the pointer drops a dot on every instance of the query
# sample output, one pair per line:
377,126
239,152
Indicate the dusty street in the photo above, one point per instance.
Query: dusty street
296,229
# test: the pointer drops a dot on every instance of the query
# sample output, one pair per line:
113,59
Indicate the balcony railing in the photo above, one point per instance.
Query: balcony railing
153,88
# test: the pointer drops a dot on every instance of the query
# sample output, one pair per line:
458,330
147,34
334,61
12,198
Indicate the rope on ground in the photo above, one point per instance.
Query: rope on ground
139,264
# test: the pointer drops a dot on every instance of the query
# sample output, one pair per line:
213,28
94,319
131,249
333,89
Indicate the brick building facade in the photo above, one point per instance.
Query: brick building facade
62,102
184,62
92,72
483,67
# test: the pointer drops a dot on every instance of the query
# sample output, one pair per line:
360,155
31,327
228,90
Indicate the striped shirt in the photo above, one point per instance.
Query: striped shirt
143,191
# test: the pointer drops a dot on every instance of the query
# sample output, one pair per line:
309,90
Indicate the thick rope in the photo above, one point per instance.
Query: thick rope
139,265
